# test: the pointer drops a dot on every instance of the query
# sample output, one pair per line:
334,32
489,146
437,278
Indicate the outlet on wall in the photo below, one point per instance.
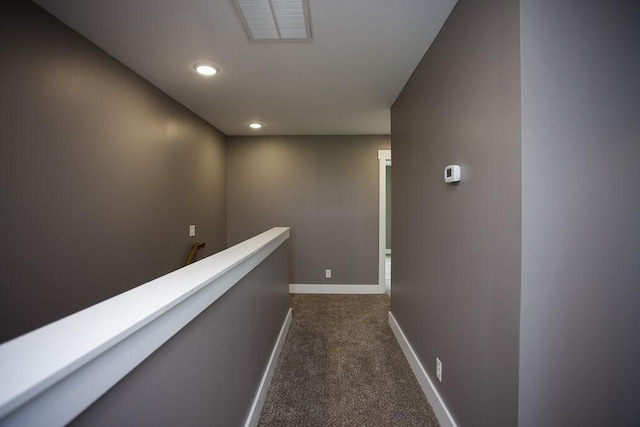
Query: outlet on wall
192,231
327,273
439,369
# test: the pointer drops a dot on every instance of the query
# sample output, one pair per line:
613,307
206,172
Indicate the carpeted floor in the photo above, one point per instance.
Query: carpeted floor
342,366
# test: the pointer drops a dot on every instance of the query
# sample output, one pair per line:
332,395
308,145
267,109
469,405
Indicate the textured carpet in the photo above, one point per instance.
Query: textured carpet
342,366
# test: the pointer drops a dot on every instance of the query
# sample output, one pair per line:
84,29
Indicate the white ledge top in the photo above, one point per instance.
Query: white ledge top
36,360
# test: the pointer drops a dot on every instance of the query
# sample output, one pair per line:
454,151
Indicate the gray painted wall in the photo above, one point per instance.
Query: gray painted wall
580,325
456,248
324,187
208,373
100,174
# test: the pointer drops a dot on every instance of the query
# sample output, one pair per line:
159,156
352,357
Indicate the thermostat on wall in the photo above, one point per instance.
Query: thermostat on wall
452,173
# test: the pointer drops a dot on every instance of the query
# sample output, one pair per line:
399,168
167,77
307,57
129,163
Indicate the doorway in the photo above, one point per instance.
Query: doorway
384,243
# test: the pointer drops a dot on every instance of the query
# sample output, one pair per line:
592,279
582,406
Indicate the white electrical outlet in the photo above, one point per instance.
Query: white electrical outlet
192,231
327,274
439,369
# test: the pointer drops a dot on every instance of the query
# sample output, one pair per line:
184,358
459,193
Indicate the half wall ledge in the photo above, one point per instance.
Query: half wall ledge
52,374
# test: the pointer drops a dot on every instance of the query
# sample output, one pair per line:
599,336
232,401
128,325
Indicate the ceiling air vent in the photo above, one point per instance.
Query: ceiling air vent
275,19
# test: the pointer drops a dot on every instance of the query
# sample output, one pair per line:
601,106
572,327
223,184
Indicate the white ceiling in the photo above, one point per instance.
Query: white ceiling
342,83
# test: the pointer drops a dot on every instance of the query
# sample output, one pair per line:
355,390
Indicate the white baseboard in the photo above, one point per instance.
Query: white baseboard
261,395
441,411
335,289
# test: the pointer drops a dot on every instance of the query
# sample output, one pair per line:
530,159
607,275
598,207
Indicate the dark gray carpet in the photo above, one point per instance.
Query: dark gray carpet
342,366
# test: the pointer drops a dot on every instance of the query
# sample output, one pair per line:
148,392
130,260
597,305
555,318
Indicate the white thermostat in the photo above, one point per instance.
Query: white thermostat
452,173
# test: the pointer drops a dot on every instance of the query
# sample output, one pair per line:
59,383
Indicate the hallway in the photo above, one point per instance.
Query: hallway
341,365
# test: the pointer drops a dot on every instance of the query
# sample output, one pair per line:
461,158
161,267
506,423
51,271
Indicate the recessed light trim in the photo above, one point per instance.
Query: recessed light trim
256,125
206,69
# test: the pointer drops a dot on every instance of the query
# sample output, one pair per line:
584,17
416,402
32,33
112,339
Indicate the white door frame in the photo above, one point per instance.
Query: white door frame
384,157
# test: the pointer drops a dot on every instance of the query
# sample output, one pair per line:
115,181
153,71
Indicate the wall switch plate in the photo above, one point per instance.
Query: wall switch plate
192,231
327,274
438,369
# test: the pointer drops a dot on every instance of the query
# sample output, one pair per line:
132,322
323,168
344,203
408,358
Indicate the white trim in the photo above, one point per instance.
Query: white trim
384,157
261,395
50,375
334,289
387,252
442,413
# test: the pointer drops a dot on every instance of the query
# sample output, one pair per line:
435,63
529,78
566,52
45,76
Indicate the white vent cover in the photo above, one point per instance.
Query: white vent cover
275,19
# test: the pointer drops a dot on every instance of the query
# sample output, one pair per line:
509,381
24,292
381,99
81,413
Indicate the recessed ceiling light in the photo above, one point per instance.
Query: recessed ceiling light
255,125
206,69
